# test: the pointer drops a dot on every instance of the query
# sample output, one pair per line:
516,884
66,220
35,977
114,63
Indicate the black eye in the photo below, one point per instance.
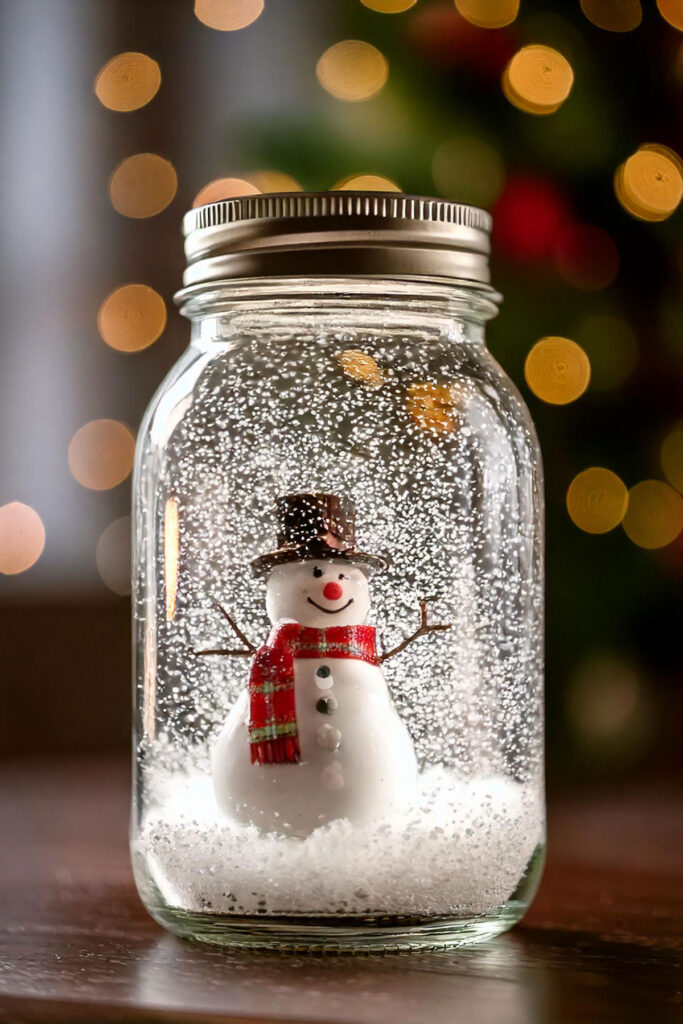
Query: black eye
317,572
342,576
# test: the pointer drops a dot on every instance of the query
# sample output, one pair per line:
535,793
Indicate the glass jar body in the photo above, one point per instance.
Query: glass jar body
414,815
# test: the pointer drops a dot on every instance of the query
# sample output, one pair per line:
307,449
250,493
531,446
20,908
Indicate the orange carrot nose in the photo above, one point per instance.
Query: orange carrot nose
332,591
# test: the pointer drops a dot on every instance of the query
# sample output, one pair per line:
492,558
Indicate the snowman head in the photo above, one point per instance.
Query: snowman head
318,593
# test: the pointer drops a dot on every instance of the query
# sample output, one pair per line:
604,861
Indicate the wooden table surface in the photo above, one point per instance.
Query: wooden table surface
601,943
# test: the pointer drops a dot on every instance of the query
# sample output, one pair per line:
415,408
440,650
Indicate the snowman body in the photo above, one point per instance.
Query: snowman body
356,759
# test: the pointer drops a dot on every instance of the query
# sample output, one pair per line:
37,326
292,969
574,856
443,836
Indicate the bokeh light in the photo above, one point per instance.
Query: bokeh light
366,183
101,454
132,317
611,347
433,407
488,13
468,169
538,79
597,500
22,537
275,181
228,15
171,555
143,185
557,370
128,82
586,257
672,457
443,38
528,219
613,15
113,556
649,185
389,6
352,70
225,188
610,710
360,366
654,517
671,11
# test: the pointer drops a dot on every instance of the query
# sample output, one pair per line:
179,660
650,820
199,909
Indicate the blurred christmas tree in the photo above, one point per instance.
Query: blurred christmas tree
560,118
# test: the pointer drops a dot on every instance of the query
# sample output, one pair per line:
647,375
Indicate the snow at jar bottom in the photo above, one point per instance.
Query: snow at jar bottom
462,849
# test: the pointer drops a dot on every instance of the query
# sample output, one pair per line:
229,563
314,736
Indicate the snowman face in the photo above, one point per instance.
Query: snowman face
318,593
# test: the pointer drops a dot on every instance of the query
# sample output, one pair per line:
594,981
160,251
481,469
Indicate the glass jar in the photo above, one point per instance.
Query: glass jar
338,589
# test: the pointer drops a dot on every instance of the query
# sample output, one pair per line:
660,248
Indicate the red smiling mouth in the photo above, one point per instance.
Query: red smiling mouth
330,611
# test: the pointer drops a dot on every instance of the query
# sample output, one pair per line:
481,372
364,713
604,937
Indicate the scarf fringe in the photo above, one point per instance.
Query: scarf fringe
283,750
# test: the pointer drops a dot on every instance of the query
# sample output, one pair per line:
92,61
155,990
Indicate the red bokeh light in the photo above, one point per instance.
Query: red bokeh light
441,35
528,219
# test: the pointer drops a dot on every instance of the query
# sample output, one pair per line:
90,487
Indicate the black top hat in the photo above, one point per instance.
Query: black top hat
315,526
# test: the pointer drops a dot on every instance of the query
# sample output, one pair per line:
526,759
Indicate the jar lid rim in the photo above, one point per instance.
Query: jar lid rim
388,205
336,232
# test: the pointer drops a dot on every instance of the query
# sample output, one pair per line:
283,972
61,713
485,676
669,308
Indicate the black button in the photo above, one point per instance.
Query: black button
324,671
326,705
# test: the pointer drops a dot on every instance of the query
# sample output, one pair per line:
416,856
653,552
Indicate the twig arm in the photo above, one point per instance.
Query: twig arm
423,629
245,640
245,652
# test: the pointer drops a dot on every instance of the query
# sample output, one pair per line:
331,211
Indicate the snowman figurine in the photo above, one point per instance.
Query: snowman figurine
315,736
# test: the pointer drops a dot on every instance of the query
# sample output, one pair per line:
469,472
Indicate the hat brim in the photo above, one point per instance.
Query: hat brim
302,553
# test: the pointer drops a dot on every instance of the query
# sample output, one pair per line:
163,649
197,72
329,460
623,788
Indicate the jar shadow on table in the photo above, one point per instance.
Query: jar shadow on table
479,983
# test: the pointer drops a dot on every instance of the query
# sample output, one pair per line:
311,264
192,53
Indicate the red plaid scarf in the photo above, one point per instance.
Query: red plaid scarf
273,733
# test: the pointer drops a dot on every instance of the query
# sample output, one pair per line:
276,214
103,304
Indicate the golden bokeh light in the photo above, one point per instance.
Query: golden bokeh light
128,82
171,555
225,188
112,556
613,15
352,70
132,317
611,347
22,537
275,181
488,13
557,370
366,183
597,500
672,11
538,79
609,708
101,454
433,407
143,185
360,366
389,6
468,169
228,15
654,517
649,185
672,457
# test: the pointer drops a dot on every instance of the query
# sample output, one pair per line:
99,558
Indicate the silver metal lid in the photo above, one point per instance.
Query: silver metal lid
336,234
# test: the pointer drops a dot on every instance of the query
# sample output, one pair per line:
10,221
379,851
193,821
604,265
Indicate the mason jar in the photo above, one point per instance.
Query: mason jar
338,588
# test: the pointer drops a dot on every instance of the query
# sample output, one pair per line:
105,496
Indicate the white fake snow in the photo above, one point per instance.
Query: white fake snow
462,849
